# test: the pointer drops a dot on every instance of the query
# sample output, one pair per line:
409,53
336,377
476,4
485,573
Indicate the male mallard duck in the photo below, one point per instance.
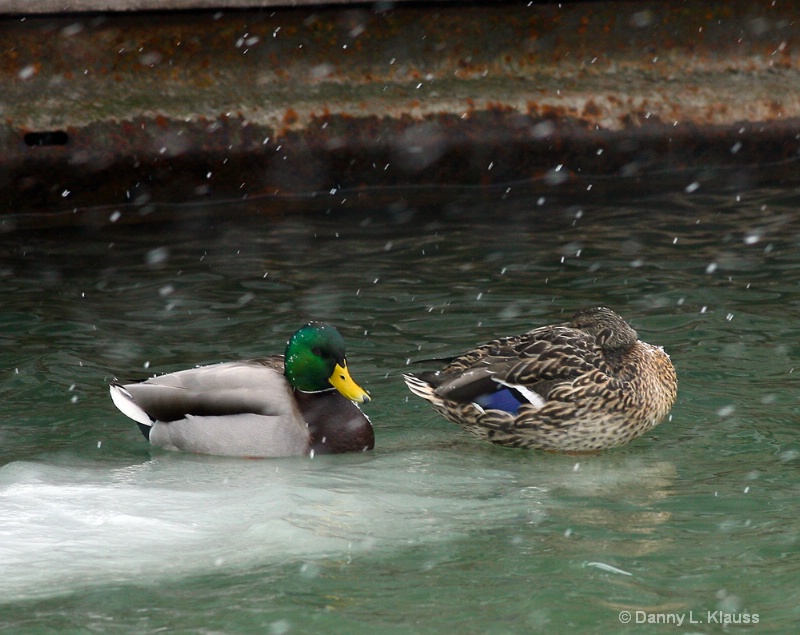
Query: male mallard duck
284,405
585,385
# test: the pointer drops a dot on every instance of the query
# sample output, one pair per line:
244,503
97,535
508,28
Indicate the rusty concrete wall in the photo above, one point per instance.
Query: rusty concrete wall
33,7
313,105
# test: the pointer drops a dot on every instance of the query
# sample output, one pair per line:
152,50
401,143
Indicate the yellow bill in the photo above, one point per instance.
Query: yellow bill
341,380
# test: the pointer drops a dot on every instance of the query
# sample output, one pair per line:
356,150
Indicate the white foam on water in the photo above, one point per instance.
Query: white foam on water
64,527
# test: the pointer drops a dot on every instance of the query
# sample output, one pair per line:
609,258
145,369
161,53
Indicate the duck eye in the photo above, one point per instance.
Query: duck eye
317,351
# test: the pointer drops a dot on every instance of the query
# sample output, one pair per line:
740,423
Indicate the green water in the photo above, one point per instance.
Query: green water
433,532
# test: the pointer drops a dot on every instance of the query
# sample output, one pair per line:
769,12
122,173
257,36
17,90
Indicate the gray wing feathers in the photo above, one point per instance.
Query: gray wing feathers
221,389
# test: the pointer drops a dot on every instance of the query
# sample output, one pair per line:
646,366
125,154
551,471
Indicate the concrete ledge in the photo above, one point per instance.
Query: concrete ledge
55,7
302,104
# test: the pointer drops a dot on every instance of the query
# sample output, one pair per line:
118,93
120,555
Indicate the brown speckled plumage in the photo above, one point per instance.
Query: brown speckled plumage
595,385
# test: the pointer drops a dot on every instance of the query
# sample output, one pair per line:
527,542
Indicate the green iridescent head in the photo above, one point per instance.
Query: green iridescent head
315,361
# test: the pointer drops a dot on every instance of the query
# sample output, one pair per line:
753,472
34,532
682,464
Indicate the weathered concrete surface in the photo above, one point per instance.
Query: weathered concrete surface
33,7
309,106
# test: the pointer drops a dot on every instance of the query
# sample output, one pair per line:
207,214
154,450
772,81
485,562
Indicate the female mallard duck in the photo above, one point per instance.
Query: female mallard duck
585,385
284,405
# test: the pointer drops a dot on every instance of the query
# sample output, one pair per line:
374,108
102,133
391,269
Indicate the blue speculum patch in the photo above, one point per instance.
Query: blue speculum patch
506,399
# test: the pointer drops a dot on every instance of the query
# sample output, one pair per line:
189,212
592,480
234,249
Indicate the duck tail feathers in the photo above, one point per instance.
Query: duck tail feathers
420,387
124,401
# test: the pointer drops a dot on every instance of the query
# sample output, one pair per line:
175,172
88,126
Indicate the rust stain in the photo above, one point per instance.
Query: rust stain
290,117
591,110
